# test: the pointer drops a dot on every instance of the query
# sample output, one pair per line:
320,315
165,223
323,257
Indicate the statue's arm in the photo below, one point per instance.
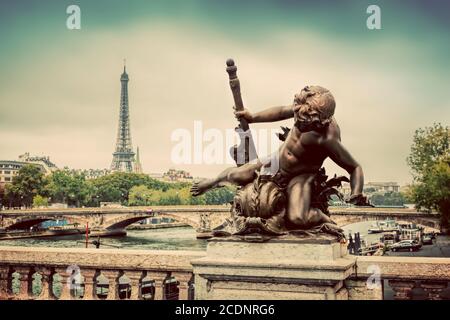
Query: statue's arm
340,155
274,114
269,115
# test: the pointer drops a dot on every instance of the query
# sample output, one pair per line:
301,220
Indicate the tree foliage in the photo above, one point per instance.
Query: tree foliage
430,146
40,201
132,189
69,187
144,196
116,187
388,199
430,163
28,183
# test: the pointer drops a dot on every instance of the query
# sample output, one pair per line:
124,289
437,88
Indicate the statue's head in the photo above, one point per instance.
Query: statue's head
313,108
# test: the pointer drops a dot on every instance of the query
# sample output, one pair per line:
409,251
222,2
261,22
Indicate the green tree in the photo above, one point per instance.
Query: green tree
430,146
219,196
170,197
40,201
430,163
143,196
69,187
388,199
407,194
116,187
28,183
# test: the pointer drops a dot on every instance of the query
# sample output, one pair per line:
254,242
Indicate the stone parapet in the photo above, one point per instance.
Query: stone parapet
80,273
230,269
401,274
417,268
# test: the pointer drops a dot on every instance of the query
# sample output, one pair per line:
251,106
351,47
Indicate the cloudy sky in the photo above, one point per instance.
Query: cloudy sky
60,89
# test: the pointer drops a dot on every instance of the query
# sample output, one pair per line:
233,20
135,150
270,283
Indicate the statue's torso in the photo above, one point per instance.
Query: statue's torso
302,152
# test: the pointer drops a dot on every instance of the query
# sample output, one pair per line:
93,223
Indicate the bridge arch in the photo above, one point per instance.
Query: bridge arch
123,221
27,223
180,218
345,220
31,221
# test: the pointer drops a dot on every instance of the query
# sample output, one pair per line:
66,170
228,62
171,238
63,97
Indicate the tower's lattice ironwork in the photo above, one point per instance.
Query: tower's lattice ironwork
123,156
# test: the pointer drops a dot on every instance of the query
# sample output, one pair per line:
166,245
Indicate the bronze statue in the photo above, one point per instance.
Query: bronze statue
289,190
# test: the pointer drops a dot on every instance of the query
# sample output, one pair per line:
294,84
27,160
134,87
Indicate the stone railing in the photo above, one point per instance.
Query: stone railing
399,278
90,274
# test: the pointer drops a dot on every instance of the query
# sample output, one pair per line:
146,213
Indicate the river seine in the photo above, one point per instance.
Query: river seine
182,238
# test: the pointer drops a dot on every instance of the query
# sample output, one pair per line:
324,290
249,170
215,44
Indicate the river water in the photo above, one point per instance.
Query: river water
182,238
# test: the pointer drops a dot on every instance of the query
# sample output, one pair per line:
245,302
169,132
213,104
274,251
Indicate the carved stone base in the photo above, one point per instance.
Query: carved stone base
287,267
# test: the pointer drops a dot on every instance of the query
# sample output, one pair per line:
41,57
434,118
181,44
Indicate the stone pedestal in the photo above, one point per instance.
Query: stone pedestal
287,267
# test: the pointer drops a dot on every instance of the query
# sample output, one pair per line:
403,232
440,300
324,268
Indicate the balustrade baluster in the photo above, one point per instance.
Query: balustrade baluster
183,286
66,285
46,284
112,275
402,289
159,278
4,282
135,283
89,285
433,289
25,283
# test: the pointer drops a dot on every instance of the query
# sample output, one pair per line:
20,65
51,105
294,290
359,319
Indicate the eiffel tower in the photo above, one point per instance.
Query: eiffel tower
123,156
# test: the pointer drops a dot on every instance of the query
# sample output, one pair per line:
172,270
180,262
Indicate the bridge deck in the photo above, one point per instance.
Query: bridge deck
198,209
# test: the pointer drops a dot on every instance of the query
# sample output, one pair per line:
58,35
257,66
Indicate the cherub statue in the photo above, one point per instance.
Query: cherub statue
280,193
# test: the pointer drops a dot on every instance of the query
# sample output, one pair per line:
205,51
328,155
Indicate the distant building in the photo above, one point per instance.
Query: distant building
372,187
177,176
9,169
157,176
92,173
43,161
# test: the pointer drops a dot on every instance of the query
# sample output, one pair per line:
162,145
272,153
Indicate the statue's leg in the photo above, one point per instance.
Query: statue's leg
299,211
235,175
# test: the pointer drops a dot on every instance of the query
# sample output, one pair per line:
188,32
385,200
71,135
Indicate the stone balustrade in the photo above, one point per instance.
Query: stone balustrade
406,277
110,274
91,274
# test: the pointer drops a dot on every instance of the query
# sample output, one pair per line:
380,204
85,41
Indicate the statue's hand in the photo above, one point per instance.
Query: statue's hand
245,114
359,200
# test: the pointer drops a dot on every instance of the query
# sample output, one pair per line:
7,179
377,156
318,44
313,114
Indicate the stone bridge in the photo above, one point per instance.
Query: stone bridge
352,215
201,218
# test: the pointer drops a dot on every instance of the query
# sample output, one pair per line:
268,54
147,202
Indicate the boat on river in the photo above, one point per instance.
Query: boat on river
20,234
384,226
